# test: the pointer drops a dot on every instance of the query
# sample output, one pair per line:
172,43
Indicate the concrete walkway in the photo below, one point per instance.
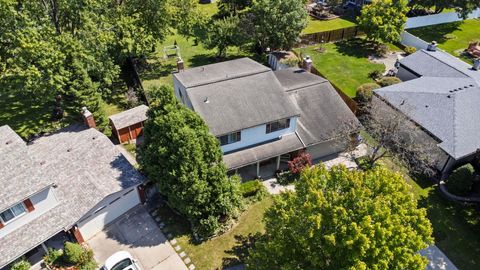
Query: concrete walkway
389,61
437,259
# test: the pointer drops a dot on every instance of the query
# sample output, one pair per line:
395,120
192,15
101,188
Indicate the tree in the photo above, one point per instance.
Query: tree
278,23
232,7
463,7
185,161
223,33
341,219
383,20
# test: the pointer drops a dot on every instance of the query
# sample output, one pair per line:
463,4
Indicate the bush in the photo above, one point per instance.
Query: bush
410,50
382,50
460,180
207,227
376,74
364,164
253,190
387,81
78,255
449,36
365,91
286,177
302,161
21,265
53,257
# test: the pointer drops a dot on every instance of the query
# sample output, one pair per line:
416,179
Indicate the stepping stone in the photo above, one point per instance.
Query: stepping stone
182,254
173,242
169,236
187,260
191,267
178,248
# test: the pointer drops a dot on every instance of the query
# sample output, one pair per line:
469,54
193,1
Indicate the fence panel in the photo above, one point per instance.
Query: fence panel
438,19
331,36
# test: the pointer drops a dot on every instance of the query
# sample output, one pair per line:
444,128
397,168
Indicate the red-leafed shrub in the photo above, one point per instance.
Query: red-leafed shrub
302,161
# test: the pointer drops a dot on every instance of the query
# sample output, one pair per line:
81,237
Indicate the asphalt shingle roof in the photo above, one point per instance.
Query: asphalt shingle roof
445,100
129,117
85,167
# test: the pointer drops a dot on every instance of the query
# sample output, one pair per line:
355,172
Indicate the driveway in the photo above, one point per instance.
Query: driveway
137,233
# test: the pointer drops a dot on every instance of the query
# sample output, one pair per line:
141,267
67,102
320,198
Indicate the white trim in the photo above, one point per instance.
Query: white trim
15,217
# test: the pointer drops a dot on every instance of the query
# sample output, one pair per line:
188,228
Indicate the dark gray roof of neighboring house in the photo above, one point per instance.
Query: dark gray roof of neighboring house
220,71
446,107
129,117
426,63
85,166
242,102
19,174
286,144
323,113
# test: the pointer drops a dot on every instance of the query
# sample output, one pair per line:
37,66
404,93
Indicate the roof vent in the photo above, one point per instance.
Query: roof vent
69,149
8,142
432,47
449,96
206,100
42,162
426,106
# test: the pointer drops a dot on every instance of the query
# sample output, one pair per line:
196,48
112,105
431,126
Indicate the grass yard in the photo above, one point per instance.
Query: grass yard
456,228
452,37
344,64
223,250
315,25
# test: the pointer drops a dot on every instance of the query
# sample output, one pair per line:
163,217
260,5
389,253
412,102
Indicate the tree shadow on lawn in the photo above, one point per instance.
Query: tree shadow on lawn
357,47
239,252
436,32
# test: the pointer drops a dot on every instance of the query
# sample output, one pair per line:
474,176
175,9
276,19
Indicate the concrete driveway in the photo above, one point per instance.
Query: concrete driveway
137,233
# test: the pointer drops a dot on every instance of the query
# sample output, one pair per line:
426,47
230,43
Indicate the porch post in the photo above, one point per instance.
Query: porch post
44,247
278,163
258,168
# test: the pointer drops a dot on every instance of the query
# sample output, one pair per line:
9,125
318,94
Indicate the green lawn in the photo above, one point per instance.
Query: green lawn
344,64
220,251
452,37
456,228
315,25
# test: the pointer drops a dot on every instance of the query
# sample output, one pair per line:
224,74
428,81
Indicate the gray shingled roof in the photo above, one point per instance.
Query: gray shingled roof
323,113
242,102
220,71
129,117
85,166
448,107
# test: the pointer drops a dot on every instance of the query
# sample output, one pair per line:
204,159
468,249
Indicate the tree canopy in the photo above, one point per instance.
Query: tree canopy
463,7
341,219
186,162
383,20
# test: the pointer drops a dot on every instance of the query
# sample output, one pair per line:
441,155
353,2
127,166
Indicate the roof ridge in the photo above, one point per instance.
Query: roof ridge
302,87
455,58
242,75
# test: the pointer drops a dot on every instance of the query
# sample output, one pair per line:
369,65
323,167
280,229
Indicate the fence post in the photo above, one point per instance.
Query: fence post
343,33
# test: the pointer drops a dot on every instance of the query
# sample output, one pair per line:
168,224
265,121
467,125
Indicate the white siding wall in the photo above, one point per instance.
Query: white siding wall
180,88
42,202
438,19
256,135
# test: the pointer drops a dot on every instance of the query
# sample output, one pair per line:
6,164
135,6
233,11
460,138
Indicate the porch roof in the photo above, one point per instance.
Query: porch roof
284,145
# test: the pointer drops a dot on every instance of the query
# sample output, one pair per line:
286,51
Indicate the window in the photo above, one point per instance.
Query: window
11,213
230,138
278,125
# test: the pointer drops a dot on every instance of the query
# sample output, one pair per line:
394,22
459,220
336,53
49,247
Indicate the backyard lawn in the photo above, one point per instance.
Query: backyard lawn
452,37
221,251
315,25
345,64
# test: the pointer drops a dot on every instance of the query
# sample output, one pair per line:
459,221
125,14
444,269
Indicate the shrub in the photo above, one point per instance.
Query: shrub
387,81
364,164
302,161
365,91
207,227
460,180
410,50
53,257
21,265
254,190
376,74
286,177
449,36
78,255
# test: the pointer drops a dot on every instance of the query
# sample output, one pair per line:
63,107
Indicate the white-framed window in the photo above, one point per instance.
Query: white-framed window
277,125
230,138
12,213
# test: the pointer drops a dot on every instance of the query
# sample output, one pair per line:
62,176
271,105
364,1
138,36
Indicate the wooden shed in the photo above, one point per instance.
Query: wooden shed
128,125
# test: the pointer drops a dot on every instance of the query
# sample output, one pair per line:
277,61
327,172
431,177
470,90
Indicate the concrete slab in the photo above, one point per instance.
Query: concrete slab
137,233
437,259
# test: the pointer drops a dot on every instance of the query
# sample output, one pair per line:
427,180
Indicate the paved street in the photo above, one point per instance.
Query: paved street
137,233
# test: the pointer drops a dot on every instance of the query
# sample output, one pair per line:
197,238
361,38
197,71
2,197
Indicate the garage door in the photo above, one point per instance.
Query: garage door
108,212
324,149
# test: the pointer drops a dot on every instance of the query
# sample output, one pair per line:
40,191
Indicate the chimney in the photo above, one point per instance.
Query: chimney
432,47
476,64
307,64
180,64
88,118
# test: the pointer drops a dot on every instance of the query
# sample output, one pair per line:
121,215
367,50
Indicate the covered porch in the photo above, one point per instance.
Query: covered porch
264,160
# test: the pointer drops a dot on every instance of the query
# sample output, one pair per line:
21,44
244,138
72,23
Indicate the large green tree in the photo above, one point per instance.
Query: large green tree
185,160
463,7
383,20
341,219
278,23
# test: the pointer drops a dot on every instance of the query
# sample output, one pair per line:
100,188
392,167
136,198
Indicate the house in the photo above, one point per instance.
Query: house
441,96
263,117
128,125
65,185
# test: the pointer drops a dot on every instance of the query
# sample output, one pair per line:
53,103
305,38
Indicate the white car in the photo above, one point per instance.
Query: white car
121,260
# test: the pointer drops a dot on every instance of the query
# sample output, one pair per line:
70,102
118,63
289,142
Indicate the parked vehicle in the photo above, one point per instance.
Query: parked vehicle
121,260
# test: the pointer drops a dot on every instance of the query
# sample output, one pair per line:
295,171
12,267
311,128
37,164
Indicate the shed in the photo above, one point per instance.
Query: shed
128,125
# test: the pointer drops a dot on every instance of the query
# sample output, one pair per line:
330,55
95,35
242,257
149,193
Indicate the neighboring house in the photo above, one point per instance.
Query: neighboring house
262,117
441,95
358,3
65,185
128,125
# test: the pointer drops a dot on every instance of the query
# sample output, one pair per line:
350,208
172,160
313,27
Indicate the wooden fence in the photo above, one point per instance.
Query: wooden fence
331,36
